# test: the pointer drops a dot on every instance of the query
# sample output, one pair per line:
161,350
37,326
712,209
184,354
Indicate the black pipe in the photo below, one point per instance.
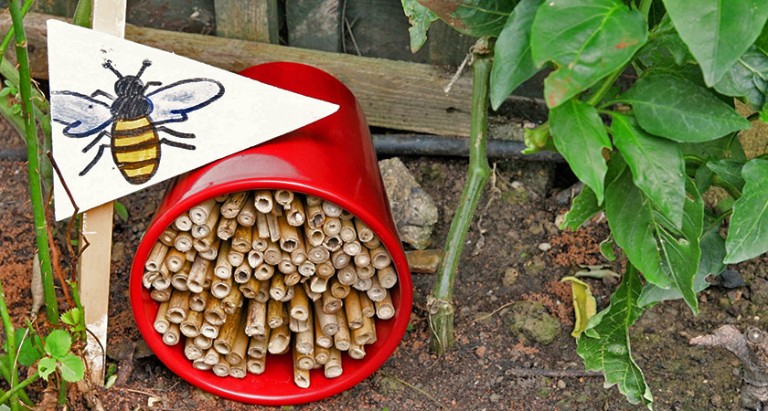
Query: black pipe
431,145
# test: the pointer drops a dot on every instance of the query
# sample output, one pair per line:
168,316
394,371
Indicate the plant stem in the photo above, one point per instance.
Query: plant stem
35,185
18,387
10,336
7,377
441,306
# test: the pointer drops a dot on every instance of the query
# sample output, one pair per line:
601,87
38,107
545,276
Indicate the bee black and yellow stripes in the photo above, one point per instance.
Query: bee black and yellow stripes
136,149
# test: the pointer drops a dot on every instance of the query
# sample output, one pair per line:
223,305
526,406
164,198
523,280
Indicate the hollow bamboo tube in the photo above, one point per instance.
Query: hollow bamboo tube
256,318
365,272
347,275
250,288
161,323
200,212
260,244
342,338
171,336
322,354
340,259
190,255
356,351
277,288
313,296
174,260
191,351
318,254
200,364
263,201
333,367
243,273
295,214
160,295
183,241
305,339
247,215
197,274
362,284
262,228
332,242
374,243
208,226
233,204
367,306
338,289
384,308
212,252
299,254
322,340
203,342
273,254
221,288
364,233
365,334
204,243
275,314
352,310
307,268
232,302
214,312
318,284
298,307
239,348
300,371
178,306
285,265
387,277
298,326
331,304
226,228
274,227
330,209
347,233
326,321
376,292
346,215
352,248
315,215
183,222
289,235
190,327
209,330
211,357
221,369
258,345
238,370
161,283
314,237
288,294
332,226
284,197
223,268
292,278
255,258
156,257
242,239
380,258
279,340
228,332
262,295
256,365
198,301
363,258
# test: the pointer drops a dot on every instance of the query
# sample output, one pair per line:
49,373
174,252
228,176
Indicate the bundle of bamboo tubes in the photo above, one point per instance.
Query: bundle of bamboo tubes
253,273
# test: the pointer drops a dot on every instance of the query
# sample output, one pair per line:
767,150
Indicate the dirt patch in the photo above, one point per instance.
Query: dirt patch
490,368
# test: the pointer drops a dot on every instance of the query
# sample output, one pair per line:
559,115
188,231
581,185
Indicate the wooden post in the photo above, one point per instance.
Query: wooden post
254,20
94,267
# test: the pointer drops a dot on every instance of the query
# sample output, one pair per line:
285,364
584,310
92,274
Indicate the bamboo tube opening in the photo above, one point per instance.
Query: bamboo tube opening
183,241
199,213
183,222
263,201
284,197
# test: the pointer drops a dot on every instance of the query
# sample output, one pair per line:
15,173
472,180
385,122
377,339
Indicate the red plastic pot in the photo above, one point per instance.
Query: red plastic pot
332,158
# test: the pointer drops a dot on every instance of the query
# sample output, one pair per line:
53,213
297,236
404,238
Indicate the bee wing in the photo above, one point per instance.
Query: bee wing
172,102
82,115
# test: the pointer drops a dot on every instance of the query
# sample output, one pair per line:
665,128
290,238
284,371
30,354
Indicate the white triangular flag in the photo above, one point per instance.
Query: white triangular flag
126,116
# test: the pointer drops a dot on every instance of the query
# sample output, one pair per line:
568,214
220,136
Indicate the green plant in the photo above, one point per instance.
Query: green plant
641,98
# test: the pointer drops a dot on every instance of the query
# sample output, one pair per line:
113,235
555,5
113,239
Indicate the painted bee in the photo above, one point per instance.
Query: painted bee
136,118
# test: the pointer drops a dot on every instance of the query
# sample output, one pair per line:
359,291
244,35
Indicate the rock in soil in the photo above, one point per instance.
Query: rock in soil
531,320
413,209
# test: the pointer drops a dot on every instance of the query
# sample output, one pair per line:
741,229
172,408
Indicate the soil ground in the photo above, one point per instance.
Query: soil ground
490,367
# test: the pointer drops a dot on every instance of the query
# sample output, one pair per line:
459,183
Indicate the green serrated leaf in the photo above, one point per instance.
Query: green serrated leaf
748,78
579,135
605,346
748,231
512,61
46,366
72,316
72,368
678,109
420,18
657,166
587,40
717,32
57,343
584,206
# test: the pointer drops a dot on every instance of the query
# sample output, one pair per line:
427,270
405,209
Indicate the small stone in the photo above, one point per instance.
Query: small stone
511,275
413,209
759,291
561,384
545,247
531,320
480,351
495,398
717,401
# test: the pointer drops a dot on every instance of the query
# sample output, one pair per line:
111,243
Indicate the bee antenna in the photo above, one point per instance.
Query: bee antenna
108,65
144,65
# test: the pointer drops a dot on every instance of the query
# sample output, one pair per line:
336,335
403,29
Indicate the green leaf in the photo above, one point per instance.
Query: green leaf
657,166
717,32
72,316
605,346
728,172
665,48
420,18
476,18
72,368
680,110
46,366
606,249
587,40
584,304
57,343
579,135
748,78
748,232
120,210
583,207
711,264
512,61
27,348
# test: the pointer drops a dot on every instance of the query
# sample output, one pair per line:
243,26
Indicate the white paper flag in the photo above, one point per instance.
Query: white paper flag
126,116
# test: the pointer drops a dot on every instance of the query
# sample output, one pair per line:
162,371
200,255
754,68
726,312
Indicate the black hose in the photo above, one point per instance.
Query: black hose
431,145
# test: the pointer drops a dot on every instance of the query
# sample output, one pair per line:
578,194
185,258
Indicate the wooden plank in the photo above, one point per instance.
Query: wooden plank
397,95
254,20
314,24
95,259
